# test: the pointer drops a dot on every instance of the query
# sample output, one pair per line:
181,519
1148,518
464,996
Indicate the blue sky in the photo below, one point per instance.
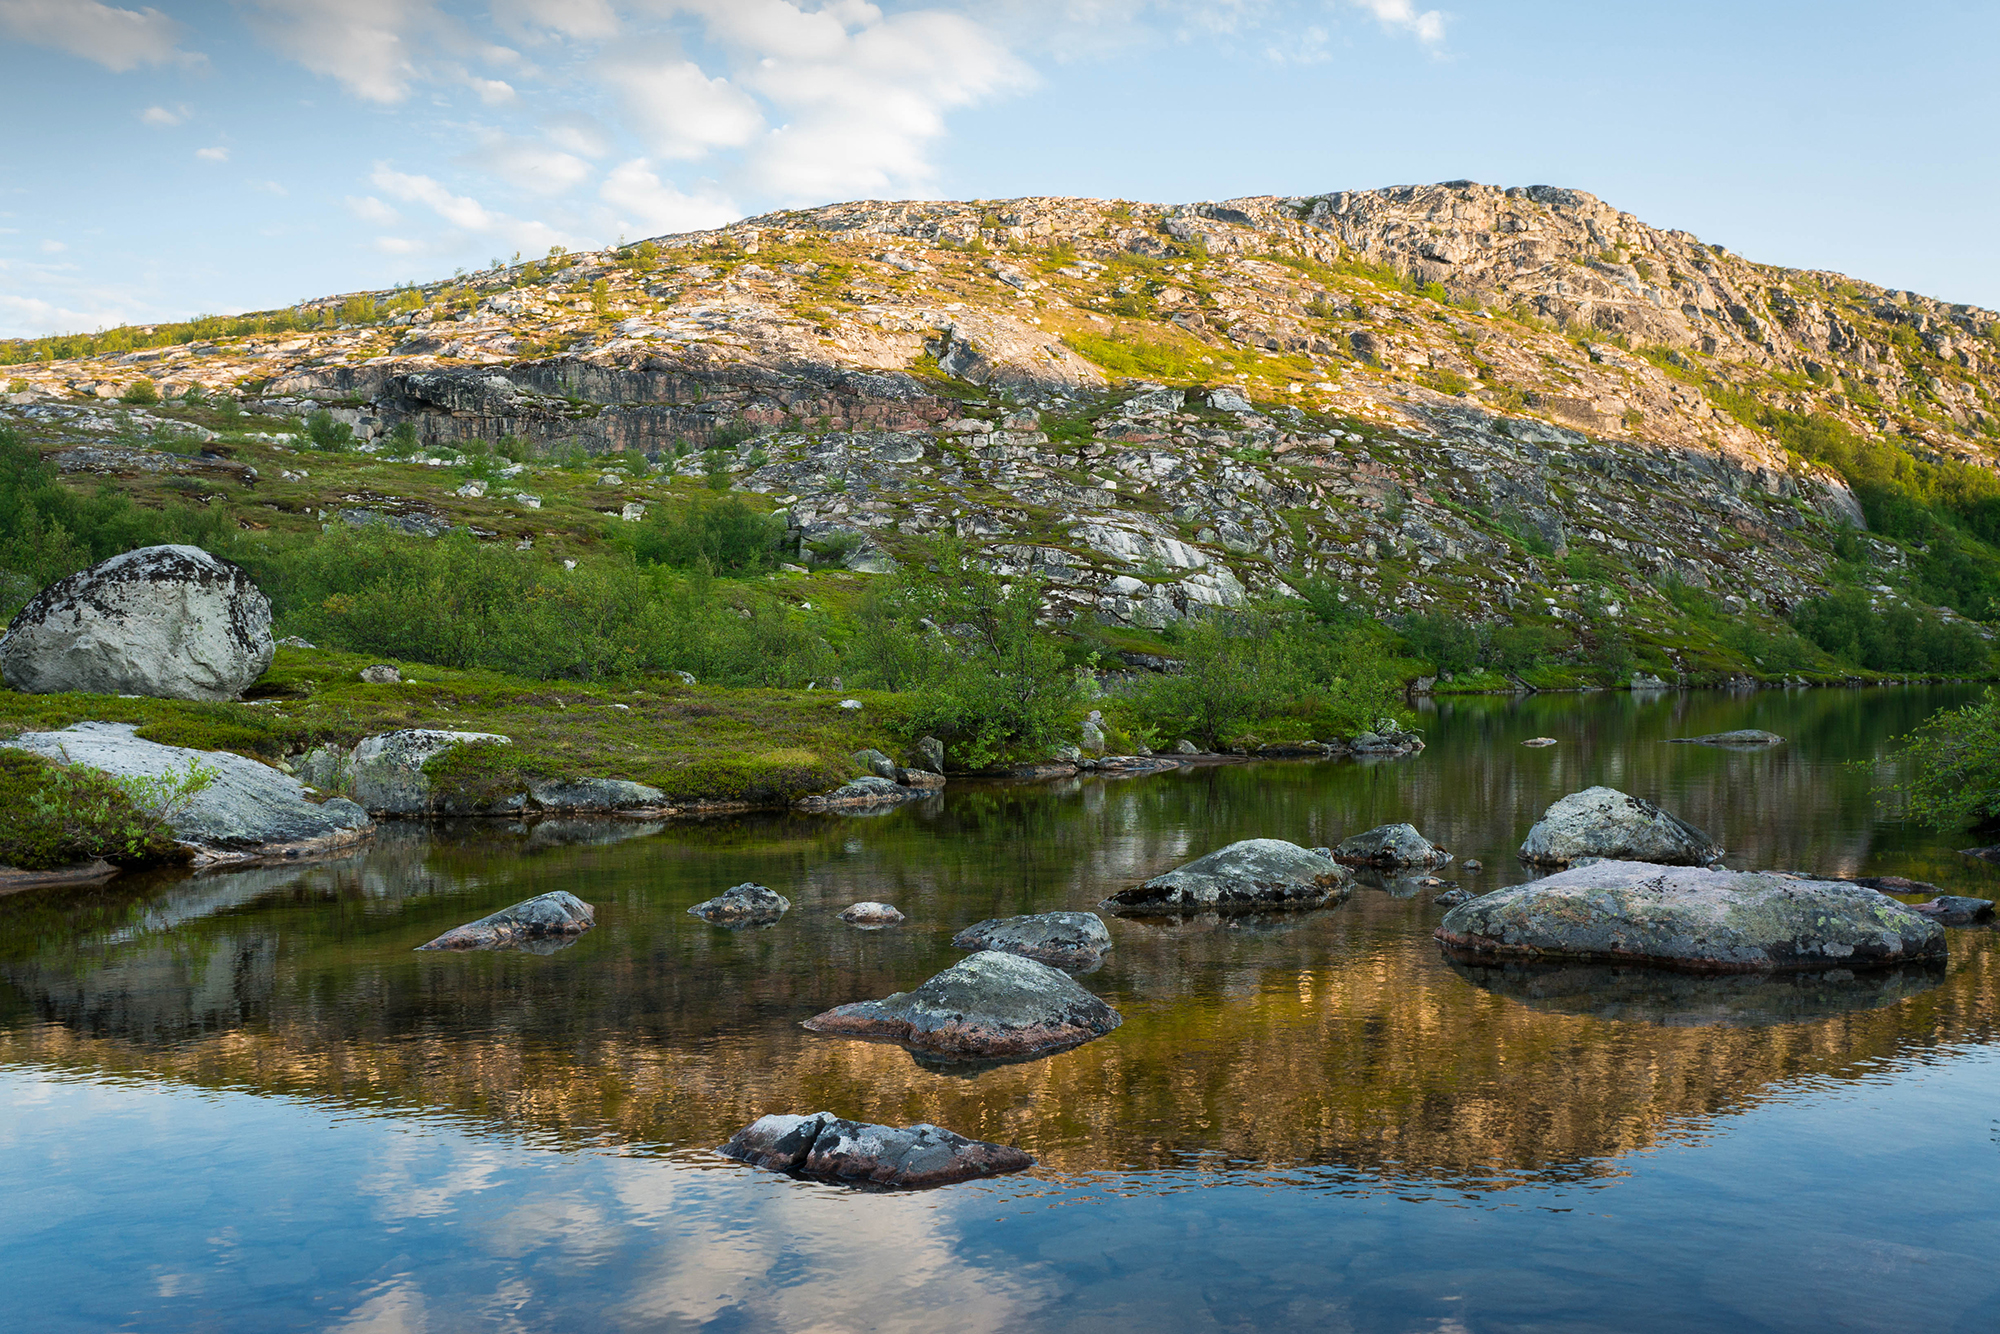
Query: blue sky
200,156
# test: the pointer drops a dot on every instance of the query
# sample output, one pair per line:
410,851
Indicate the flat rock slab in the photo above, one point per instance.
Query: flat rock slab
1604,822
831,1148
870,914
1253,875
1073,941
992,1006
1390,845
1956,910
862,794
251,811
746,904
1693,918
555,914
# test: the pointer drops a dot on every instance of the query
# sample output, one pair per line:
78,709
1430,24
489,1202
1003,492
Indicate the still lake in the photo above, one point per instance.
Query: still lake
240,1102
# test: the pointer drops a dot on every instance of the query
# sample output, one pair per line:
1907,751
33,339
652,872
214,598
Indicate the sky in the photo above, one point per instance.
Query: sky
214,156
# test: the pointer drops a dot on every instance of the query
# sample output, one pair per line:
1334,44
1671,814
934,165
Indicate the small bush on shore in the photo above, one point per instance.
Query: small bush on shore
1952,766
54,814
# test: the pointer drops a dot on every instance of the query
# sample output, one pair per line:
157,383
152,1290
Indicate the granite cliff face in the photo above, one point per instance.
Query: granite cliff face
1431,394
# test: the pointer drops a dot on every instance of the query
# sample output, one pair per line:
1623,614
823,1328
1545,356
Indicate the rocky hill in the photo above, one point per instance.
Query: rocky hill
1514,403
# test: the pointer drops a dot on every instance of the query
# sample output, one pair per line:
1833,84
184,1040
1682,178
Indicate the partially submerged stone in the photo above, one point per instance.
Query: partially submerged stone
860,794
1074,941
1691,917
1539,741
1604,822
172,622
834,1149
1956,909
870,914
992,1006
1390,845
1746,736
1257,873
558,913
746,904
1451,898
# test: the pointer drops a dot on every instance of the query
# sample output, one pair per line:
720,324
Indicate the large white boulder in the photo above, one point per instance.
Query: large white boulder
172,622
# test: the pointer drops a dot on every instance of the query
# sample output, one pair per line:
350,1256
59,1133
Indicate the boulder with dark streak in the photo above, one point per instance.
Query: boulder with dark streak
992,1006
834,1149
556,914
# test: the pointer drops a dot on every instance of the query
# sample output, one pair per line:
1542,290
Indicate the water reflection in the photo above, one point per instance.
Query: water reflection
1334,1038
1663,996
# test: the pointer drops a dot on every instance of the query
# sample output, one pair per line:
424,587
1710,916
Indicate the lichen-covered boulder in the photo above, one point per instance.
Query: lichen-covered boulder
172,622
834,1149
1074,941
386,773
557,913
992,1006
746,904
1604,822
1390,845
1255,874
1691,917
592,794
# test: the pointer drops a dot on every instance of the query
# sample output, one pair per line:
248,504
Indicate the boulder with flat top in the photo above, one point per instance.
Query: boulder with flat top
1604,822
1257,874
992,1006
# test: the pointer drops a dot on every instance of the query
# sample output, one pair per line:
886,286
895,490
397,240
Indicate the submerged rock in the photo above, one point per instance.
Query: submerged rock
171,622
249,811
1956,909
833,1149
1604,822
1694,918
746,904
1257,873
558,913
1748,736
1390,845
992,1006
870,914
1075,941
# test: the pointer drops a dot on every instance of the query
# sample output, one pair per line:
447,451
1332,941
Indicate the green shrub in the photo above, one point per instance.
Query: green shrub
723,536
141,392
326,433
54,814
1888,639
1951,766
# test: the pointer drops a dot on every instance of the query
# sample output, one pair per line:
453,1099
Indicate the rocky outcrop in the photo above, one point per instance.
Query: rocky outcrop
386,773
1390,845
746,904
1604,822
172,622
832,1149
1693,918
557,914
1257,874
248,812
1074,941
576,795
992,1006
870,914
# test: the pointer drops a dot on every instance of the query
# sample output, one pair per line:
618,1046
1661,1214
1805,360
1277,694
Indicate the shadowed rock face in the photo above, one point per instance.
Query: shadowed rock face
1255,874
992,1006
1604,822
545,917
1390,845
1074,941
912,1157
172,622
1692,918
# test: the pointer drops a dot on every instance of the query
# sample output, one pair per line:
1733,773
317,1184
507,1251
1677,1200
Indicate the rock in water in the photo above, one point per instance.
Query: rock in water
1748,736
870,914
1257,873
1539,741
826,1146
557,913
1956,909
1691,917
992,1006
1451,898
746,904
1075,941
172,622
1390,845
1604,822
249,812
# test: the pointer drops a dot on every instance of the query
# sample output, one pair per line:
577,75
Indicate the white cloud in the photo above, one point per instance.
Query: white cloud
585,20
53,247
370,209
162,117
369,45
217,154
529,166
273,188
648,206
679,110
466,213
1427,26
118,39
576,132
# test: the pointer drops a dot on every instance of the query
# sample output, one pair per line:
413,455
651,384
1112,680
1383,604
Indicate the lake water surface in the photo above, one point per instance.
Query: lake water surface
239,1101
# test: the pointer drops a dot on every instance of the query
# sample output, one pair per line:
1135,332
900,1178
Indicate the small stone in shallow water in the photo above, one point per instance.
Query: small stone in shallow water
1539,741
743,905
1473,864
992,1006
1451,898
829,1147
1254,874
1390,845
558,913
870,914
1956,909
